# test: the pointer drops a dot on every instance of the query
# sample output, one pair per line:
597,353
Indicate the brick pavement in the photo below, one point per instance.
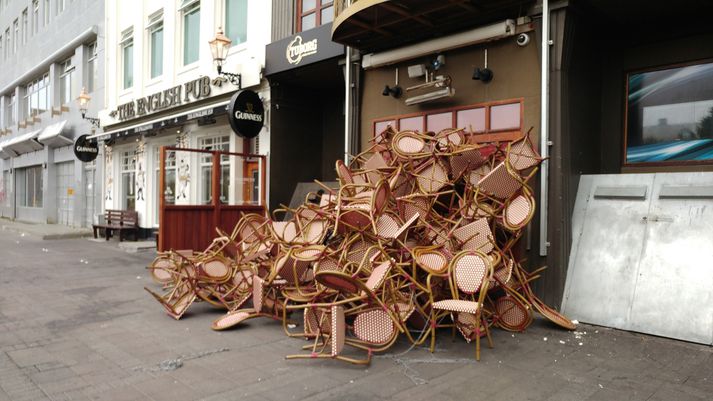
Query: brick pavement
75,324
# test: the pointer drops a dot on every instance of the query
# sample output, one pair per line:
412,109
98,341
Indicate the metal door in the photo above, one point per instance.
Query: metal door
65,192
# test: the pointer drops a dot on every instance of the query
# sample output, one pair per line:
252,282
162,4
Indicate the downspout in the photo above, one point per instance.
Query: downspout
544,127
347,103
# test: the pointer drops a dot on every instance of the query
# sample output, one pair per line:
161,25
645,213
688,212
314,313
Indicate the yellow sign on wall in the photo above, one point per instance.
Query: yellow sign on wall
70,191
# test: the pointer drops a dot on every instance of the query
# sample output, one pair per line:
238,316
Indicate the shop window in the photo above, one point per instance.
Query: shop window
169,193
313,13
191,16
669,115
155,31
411,123
496,121
220,143
37,96
236,21
127,58
471,119
29,186
65,82
92,66
437,122
128,180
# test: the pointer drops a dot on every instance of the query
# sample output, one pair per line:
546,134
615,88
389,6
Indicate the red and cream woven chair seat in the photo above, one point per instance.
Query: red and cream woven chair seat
457,305
499,183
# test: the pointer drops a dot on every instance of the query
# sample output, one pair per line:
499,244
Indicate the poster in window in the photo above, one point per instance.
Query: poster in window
669,117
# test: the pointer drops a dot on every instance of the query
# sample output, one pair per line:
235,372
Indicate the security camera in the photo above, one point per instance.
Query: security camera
438,62
522,39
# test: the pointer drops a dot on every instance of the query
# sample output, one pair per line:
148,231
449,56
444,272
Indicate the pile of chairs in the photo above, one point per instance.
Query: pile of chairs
420,235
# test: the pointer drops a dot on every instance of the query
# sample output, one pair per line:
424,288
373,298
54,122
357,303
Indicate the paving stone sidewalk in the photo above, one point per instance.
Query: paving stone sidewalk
76,324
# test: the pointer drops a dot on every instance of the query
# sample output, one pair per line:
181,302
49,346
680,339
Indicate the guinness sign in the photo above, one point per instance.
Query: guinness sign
246,113
85,149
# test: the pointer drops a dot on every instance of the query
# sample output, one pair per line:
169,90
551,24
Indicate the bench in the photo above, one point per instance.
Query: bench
118,220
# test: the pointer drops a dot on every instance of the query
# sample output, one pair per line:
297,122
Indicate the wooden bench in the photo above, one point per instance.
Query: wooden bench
118,220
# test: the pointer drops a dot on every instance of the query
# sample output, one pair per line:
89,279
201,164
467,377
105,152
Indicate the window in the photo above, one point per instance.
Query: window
170,184
7,44
236,20
155,29
35,16
61,4
47,12
191,10
10,111
37,96
221,143
128,180
16,37
92,66
2,55
313,13
65,82
25,30
29,186
127,56
495,121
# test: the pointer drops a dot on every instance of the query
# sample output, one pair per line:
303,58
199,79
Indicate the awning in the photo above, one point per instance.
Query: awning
24,143
164,122
52,135
4,152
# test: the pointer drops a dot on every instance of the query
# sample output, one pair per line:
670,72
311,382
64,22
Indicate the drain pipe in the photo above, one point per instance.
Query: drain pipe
347,104
544,127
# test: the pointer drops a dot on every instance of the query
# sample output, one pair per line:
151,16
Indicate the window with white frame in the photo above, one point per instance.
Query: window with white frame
128,180
25,28
191,17
2,55
236,21
35,16
16,35
127,58
37,96
7,44
169,194
66,70
47,12
220,143
10,111
92,66
155,32
61,4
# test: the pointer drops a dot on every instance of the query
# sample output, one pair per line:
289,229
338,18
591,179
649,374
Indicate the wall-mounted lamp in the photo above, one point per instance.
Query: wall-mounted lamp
394,91
485,74
219,47
83,101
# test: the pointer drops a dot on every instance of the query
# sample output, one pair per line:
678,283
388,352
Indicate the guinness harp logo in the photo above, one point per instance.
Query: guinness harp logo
297,50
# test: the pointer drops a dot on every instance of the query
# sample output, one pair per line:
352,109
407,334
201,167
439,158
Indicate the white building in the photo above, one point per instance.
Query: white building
161,90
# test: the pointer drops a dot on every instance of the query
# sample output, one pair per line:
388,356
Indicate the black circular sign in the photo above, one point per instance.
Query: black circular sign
246,113
85,149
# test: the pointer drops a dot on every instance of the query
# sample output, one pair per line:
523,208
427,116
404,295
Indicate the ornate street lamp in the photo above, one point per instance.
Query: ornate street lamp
219,47
83,101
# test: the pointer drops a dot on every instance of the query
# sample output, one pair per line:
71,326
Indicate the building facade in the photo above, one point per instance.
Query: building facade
163,90
49,51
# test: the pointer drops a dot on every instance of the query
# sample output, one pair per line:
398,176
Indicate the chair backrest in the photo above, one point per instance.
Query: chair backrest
128,218
378,275
338,330
475,236
500,183
519,211
343,172
469,269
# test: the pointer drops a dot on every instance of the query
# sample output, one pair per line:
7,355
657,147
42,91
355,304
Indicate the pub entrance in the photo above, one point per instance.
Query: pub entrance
307,127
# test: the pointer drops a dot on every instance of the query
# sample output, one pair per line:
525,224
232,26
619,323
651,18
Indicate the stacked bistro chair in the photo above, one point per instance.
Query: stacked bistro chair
421,234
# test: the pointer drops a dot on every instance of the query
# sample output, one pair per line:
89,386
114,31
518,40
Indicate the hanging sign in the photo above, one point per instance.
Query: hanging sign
246,113
85,149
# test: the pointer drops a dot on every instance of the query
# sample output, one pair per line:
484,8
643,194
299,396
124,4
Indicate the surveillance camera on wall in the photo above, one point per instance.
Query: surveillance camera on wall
438,62
522,39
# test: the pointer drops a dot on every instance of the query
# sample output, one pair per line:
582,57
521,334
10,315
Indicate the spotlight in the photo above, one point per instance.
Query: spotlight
483,74
395,91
